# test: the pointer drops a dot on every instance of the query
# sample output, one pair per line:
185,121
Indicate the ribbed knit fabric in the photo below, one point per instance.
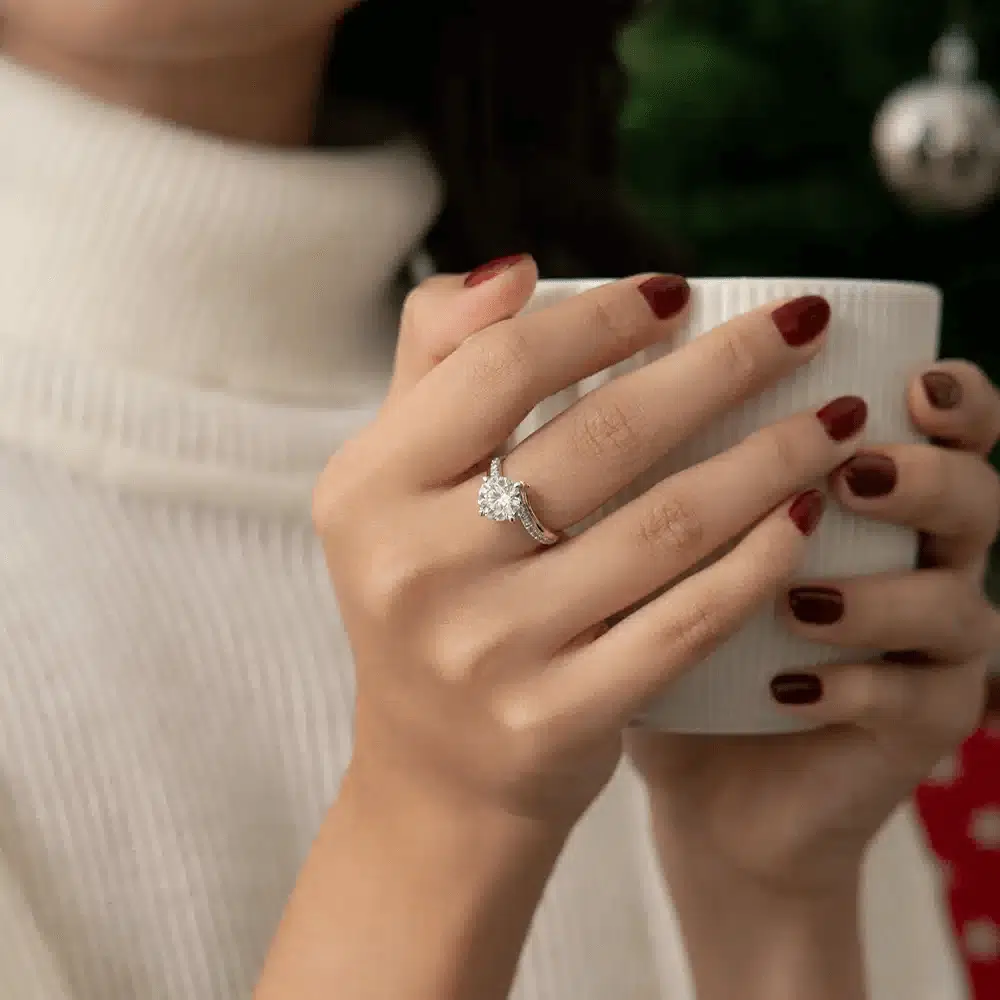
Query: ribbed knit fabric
188,329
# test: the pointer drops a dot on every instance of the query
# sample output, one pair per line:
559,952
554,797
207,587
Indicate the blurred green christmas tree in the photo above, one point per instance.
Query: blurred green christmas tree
747,136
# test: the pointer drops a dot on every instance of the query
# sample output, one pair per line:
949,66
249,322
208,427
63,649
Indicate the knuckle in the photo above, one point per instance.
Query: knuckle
521,720
739,359
412,311
395,578
864,693
782,450
697,631
615,330
332,492
465,650
671,526
607,429
497,361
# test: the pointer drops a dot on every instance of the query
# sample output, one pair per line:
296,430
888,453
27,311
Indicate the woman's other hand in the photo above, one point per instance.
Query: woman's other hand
789,818
483,676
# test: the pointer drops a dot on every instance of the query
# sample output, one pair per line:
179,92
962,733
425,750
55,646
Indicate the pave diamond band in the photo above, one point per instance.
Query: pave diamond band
503,499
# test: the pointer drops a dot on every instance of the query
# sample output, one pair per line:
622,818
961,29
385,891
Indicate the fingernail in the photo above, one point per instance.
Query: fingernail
870,475
802,320
949,443
844,417
944,391
908,658
816,605
492,268
806,510
796,689
667,294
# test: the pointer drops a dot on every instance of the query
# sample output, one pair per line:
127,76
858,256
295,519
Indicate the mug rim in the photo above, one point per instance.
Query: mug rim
875,284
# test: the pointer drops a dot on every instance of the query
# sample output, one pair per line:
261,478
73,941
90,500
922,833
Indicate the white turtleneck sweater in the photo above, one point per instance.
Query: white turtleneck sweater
188,329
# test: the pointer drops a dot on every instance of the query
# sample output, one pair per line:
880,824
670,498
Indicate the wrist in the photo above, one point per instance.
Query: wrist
422,821
410,893
778,942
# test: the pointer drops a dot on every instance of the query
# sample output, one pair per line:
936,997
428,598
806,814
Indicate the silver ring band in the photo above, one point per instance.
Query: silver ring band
503,499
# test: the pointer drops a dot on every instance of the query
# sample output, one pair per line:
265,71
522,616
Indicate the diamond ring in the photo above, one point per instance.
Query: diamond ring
503,499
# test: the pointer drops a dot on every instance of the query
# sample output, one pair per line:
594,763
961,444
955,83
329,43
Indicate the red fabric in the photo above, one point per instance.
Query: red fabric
960,808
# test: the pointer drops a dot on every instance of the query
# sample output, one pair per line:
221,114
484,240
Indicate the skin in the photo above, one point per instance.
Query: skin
486,726
242,69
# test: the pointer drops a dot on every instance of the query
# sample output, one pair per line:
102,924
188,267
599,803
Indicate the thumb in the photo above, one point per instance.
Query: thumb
443,311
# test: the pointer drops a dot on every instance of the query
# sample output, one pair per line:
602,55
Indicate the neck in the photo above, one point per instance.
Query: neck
266,95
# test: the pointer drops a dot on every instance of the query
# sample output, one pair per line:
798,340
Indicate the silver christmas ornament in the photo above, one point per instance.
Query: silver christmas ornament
937,140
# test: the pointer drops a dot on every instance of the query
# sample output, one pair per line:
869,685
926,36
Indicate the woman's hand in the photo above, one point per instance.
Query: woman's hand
472,679
790,817
490,706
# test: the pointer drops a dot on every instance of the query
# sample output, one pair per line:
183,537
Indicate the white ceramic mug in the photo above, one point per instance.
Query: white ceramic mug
881,333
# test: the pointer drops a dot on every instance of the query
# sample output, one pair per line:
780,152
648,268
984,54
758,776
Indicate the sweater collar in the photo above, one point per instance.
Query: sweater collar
143,246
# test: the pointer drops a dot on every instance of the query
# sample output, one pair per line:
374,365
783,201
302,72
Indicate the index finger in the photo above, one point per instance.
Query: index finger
467,407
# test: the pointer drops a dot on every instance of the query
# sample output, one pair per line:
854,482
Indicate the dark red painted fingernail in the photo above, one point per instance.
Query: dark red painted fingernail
802,320
667,294
816,605
869,475
492,268
796,689
949,443
944,391
806,510
844,417
908,657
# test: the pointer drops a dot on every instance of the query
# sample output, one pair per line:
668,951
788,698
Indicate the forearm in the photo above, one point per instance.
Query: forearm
400,899
761,944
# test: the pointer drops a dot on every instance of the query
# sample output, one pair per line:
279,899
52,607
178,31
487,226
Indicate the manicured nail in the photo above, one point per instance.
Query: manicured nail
492,268
908,657
816,605
949,443
667,294
796,689
802,320
944,391
806,510
870,475
844,417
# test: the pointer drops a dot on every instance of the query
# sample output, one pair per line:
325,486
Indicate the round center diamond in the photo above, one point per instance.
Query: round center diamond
500,498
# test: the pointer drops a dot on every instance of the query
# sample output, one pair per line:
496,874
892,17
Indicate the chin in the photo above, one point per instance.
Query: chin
170,29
